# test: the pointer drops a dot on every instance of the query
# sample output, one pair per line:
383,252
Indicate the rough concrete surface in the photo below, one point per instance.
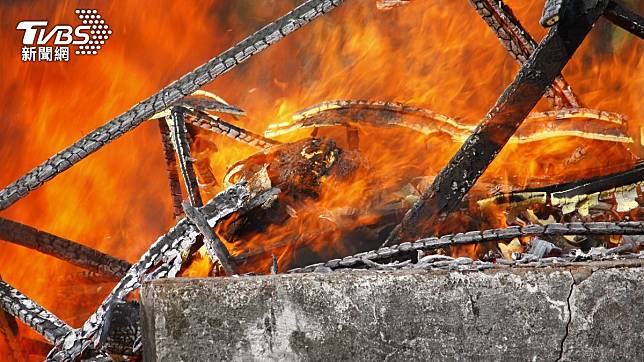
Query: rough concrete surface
574,313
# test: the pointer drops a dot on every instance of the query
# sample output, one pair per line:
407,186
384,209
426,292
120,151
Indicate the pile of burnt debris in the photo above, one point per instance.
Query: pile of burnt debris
262,189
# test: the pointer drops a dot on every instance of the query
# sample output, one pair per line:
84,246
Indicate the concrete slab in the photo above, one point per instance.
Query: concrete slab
589,312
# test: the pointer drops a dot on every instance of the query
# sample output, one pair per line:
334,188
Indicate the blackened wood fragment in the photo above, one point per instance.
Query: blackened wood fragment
480,149
625,18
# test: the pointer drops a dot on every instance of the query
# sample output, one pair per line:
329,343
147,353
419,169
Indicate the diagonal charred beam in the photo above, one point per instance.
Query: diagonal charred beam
215,124
181,145
165,98
625,18
521,45
171,168
215,247
61,248
32,314
551,13
472,237
480,149
162,259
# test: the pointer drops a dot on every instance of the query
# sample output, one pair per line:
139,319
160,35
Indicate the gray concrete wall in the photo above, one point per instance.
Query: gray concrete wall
576,313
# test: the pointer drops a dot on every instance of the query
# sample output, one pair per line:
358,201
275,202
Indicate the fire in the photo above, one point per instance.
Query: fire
433,54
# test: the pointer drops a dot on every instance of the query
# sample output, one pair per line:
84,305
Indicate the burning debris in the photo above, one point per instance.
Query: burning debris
280,202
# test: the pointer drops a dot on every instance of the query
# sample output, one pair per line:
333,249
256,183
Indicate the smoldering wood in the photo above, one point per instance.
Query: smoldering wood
162,259
215,124
205,177
32,314
588,186
625,18
64,249
181,145
551,13
201,161
580,122
390,4
121,333
520,44
480,149
407,249
165,98
171,168
211,105
215,247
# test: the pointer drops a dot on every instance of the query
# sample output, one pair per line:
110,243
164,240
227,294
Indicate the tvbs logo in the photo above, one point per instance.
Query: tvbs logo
42,42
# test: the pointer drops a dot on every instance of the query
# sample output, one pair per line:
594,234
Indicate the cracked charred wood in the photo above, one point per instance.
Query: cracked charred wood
165,98
171,168
408,249
204,101
181,145
121,333
215,247
201,148
521,45
295,168
212,103
581,122
498,126
587,186
580,195
354,112
580,112
205,177
9,333
625,18
162,259
214,124
32,314
551,13
61,248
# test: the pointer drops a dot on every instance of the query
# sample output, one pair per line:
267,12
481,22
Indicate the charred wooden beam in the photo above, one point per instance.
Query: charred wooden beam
181,145
214,124
206,101
162,259
625,18
9,332
171,168
406,249
215,247
576,191
121,333
165,98
582,122
514,105
61,248
579,112
594,184
521,45
32,314
551,13
205,177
